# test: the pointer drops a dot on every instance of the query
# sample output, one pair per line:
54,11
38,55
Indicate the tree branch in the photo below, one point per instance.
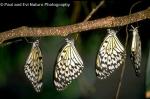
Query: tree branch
79,27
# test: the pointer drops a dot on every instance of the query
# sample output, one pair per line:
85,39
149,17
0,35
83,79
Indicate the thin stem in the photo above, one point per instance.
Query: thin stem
124,64
122,71
91,13
8,43
94,10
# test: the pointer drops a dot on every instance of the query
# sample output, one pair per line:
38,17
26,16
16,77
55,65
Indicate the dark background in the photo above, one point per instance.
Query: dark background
13,82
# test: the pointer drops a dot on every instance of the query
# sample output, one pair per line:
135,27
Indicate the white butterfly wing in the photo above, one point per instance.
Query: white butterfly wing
110,56
69,66
34,67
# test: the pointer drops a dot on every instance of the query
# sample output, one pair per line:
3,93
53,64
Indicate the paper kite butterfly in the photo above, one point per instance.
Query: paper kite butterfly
110,56
34,66
69,66
136,51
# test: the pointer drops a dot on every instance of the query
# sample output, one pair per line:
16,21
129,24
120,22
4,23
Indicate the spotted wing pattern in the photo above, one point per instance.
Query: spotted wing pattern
110,56
34,67
136,51
69,66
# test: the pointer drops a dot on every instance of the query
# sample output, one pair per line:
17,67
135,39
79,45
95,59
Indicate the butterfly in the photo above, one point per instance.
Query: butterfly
110,56
34,66
136,51
69,66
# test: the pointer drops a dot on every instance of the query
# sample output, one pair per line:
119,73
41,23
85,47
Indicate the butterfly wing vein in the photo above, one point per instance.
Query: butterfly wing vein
34,67
110,56
69,66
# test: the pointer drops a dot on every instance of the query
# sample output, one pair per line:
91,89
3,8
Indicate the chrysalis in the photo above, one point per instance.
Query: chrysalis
34,66
68,67
136,51
110,56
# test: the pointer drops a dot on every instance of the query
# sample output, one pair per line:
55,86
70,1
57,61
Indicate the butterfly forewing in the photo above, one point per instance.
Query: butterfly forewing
69,66
110,56
136,51
34,66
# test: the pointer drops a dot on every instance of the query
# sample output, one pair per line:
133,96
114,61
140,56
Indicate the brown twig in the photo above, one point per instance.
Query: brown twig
94,10
79,27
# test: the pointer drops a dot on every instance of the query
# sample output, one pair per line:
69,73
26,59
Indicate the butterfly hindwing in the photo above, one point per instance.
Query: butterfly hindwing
136,51
110,56
69,66
34,66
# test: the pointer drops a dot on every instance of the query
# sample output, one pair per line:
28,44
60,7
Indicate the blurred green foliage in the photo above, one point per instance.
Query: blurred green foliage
4,66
